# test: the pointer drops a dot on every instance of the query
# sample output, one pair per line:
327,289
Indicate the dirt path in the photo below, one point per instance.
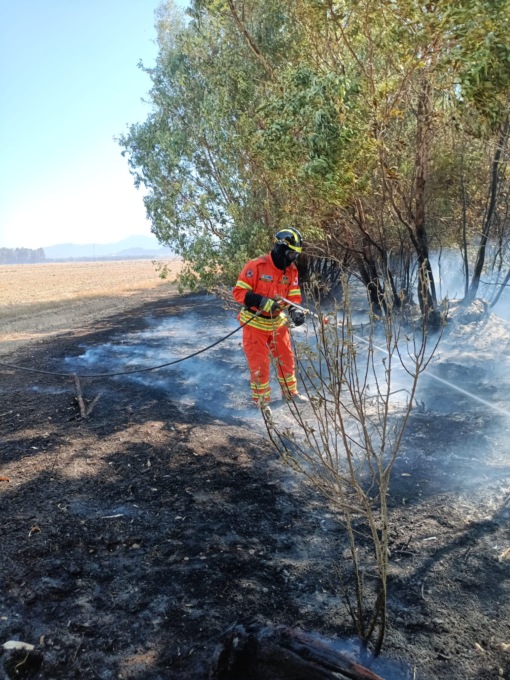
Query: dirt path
134,540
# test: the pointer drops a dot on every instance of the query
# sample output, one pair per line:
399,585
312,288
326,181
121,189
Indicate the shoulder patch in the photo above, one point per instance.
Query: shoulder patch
249,273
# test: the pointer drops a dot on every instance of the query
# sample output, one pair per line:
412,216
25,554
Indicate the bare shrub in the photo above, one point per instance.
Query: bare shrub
347,440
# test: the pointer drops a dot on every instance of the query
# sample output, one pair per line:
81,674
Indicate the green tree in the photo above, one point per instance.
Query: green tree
330,115
206,197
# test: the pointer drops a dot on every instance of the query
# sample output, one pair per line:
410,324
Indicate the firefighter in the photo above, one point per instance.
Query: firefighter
259,286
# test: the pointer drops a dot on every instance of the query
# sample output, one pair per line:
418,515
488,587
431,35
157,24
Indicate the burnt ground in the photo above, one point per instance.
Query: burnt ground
133,541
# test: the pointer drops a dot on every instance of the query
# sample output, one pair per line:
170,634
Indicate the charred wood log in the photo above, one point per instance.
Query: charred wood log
283,654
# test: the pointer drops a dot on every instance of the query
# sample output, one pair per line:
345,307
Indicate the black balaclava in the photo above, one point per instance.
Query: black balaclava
282,256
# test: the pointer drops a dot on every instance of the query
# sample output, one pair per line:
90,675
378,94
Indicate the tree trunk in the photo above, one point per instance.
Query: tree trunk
501,289
493,193
368,274
426,287
464,225
283,654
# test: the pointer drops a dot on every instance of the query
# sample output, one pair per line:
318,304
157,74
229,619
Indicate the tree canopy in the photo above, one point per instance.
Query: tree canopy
21,255
377,127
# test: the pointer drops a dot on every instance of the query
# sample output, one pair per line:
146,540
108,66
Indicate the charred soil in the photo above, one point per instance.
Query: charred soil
134,540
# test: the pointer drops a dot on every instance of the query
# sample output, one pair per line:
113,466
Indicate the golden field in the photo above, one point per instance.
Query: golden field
38,300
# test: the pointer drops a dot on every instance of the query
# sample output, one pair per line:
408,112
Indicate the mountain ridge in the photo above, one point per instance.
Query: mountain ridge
132,246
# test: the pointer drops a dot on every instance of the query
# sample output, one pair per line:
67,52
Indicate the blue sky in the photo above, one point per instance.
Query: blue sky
69,83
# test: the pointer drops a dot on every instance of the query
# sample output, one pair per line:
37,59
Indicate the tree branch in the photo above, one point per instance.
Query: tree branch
244,31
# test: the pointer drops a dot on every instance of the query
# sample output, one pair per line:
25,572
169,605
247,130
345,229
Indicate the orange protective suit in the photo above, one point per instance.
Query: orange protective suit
266,336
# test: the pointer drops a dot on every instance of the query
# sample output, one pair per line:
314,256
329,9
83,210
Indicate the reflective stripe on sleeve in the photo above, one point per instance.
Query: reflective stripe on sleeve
243,284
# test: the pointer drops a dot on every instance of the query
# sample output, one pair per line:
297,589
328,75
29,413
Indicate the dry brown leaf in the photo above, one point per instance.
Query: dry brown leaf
5,479
505,555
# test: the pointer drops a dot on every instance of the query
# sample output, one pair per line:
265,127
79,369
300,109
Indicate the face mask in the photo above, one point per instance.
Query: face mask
291,255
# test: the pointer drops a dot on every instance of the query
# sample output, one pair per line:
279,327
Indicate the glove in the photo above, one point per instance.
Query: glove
297,316
269,306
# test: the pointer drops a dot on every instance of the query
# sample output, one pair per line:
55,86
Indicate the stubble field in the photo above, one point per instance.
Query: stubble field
41,300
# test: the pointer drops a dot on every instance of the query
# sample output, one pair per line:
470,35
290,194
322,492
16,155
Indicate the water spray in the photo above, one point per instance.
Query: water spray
324,320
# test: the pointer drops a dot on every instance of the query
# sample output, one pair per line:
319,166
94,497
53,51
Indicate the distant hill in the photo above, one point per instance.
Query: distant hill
132,247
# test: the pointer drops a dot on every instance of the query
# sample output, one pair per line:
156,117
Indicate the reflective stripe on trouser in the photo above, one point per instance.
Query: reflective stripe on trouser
259,346
288,384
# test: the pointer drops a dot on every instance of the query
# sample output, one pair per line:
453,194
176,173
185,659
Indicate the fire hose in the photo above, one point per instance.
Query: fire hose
129,372
322,319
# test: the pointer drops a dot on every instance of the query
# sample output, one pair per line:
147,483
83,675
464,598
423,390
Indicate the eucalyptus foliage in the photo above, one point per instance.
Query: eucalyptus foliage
369,124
